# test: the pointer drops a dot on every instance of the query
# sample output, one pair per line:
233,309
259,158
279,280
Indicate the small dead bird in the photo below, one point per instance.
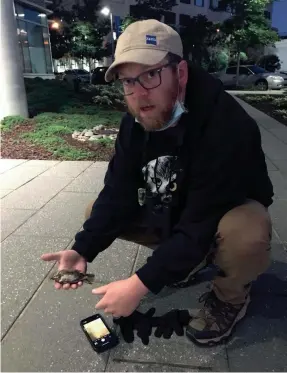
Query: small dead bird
72,277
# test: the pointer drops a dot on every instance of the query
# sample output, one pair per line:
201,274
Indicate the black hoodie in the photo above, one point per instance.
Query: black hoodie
190,175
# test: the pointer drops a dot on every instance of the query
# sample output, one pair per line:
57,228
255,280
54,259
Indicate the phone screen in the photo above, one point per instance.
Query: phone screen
98,332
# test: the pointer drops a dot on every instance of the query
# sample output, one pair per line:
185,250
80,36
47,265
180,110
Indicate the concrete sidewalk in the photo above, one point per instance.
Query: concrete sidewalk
43,206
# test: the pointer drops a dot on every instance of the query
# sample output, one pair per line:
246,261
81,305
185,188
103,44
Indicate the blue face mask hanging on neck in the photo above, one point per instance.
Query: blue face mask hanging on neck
177,112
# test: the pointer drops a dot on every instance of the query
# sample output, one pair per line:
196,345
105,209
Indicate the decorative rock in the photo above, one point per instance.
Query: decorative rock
99,128
95,137
89,133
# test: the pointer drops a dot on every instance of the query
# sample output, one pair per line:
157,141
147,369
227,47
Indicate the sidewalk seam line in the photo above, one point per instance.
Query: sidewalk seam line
198,367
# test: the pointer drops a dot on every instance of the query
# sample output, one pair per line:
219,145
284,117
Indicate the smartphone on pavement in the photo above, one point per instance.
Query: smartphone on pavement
98,333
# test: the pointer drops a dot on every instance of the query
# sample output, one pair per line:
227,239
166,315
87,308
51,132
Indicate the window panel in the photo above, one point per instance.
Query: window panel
199,3
29,14
267,14
214,4
137,12
36,47
244,71
24,46
231,70
47,50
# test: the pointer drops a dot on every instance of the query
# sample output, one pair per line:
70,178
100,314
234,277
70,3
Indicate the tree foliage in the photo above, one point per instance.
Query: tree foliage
144,9
88,30
247,26
270,62
81,30
159,5
128,20
197,37
60,38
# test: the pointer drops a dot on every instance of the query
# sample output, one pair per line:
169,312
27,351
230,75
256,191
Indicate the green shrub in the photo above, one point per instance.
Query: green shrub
257,98
270,104
44,95
79,121
277,101
280,102
270,62
11,121
108,96
219,59
282,112
58,96
49,98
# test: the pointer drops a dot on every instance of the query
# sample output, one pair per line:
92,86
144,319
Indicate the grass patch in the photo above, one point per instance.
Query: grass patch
56,111
10,122
106,142
51,127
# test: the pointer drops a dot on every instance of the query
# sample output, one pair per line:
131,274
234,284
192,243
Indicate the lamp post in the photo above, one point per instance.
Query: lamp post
106,11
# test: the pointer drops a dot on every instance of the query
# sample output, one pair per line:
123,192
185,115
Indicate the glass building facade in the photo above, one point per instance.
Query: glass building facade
33,38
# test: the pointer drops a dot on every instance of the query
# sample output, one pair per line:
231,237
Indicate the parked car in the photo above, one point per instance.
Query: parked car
98,75
252,75
81,75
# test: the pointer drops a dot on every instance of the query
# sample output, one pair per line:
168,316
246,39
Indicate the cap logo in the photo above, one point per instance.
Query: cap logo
151,39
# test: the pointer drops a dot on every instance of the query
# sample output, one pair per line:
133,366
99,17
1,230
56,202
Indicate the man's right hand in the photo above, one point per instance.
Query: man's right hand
69,260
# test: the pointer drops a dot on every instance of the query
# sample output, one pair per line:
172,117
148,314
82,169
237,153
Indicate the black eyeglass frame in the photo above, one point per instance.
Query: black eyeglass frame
137,79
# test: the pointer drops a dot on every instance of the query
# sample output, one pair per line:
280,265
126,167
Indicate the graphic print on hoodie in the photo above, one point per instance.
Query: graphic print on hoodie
160,178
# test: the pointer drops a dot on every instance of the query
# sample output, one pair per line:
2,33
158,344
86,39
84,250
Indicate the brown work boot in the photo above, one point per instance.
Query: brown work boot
216,320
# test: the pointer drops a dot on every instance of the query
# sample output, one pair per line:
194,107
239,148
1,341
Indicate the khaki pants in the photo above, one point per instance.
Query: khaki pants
242,248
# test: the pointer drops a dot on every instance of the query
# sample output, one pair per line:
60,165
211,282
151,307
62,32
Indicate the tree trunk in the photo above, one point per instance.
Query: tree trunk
237,69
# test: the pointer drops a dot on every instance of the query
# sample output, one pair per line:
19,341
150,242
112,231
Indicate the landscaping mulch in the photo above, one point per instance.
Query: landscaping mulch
102,152
12,146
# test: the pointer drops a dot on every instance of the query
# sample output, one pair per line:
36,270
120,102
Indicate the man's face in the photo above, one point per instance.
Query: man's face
153,107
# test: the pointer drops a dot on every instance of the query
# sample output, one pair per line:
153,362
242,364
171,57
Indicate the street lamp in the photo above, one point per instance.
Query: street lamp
106,11
55,25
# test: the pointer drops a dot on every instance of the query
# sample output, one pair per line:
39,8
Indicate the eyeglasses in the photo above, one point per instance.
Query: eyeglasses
148,79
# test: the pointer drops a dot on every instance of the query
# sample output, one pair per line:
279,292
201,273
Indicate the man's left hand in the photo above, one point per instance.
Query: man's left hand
121,298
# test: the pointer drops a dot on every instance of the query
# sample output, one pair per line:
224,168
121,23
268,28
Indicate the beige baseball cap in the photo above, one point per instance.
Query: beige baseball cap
146,42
